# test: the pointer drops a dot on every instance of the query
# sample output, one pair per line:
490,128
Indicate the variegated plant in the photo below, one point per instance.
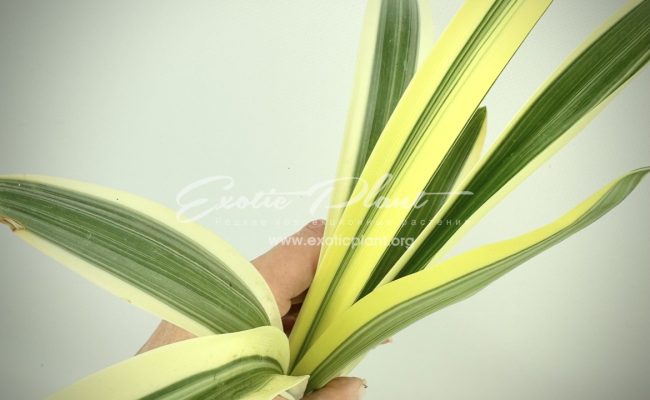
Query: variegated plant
415,126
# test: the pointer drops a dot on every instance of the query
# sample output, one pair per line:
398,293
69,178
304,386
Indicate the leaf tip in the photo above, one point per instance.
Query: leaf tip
12,223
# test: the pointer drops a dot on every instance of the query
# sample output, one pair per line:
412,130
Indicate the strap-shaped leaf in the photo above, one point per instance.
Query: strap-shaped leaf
426,123
462,156
578,90
397,304
140,251
396,36
242,365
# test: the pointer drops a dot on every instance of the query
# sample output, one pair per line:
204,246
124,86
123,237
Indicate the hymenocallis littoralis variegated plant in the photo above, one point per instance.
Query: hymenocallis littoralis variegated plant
415,126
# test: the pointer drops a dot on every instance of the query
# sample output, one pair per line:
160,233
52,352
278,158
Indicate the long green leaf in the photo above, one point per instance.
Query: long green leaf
140,251
426,123
566,103
397,304
243,365
463,154
396,36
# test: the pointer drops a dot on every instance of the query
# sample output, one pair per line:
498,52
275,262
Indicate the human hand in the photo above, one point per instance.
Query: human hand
288,269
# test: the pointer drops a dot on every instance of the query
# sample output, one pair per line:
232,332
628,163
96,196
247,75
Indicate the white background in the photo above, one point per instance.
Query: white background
150,96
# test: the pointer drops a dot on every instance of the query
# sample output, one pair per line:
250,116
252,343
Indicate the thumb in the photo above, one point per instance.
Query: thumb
289,267
340,389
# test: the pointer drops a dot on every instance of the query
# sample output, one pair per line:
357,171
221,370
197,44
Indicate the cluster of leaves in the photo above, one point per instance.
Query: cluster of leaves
416,126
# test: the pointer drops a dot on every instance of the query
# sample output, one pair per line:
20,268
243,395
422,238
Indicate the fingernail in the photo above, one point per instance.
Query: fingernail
316,226
362,388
